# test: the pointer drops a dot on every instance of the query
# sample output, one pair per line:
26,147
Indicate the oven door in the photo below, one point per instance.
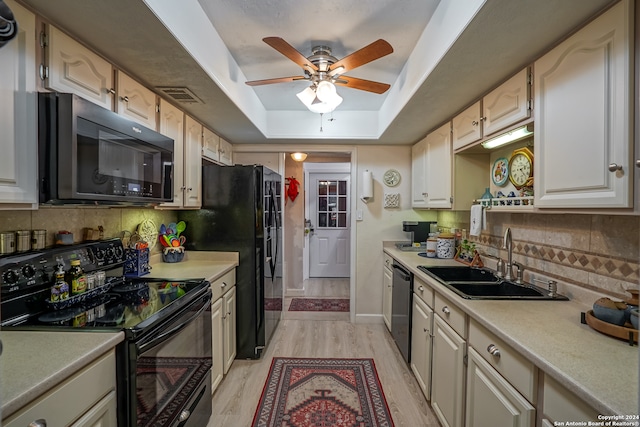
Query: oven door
170,371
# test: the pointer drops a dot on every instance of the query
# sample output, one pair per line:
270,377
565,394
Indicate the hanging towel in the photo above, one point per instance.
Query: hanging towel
478,220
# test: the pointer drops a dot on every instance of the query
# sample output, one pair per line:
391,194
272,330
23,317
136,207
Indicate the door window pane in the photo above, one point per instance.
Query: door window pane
332,204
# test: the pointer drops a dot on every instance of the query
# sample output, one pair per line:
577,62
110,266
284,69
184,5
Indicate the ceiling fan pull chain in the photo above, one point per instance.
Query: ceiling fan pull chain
320,122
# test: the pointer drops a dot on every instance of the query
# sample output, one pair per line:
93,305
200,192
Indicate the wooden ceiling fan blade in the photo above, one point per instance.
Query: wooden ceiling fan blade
290,52
371,52
276,80
362,84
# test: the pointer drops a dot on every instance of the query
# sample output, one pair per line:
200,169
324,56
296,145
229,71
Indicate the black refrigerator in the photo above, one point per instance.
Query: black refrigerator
242,212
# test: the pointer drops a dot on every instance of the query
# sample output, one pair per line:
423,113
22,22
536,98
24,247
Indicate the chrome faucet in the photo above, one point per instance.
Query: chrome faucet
508,245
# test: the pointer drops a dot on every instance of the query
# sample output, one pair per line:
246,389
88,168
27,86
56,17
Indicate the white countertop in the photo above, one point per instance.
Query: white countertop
33,362
601,370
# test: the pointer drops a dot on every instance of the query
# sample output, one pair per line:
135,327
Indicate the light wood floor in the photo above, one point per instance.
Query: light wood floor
319,288
236,399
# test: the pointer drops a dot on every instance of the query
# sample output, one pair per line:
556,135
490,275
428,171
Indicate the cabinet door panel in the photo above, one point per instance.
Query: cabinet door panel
583,121
229,328
210,145
467,127
136,102
192,163
76,69
18,115
103,413
217,341
491,400
447,383
387,283
438,168
506,105
226,152
418,169
421,344
172,125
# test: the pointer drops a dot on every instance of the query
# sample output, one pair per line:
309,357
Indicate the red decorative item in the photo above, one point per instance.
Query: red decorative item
292,189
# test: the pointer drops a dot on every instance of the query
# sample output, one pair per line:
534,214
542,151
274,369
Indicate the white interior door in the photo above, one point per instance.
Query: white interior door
329,241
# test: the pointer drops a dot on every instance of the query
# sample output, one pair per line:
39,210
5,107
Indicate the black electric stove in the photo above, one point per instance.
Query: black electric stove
157,316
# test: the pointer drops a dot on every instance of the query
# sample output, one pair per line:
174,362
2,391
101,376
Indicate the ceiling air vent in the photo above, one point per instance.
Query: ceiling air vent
181,94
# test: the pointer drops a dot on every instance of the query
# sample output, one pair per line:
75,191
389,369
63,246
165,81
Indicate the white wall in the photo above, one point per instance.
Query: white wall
380,224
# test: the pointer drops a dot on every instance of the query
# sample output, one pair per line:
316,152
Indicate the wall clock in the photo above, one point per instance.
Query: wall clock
500,171
521,168
391,178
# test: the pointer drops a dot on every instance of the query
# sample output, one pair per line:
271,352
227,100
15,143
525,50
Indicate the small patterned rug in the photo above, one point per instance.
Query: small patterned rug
303,392
319,304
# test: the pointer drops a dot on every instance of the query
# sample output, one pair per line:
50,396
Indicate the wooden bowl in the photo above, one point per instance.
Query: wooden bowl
620,332
634,297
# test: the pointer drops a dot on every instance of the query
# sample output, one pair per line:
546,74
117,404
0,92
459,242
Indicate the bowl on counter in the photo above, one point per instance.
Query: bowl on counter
608,311
634,318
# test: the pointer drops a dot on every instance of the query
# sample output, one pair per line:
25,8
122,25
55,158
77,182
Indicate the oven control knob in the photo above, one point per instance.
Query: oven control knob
9,277
109,252
119,251
99,254
28,271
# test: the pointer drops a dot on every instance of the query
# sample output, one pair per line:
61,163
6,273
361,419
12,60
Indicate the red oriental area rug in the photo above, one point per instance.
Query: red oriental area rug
319,304
322,393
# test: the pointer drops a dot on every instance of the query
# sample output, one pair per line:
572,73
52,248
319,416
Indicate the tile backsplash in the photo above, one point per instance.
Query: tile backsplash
598,253
76,219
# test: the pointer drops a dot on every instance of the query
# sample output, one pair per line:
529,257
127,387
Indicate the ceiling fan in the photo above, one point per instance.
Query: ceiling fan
324,71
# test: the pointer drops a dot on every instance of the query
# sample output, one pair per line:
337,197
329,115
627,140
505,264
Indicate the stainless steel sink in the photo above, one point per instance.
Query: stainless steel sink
476,283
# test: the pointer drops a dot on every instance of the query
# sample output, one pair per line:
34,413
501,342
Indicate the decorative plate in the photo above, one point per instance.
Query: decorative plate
391,178
148,232
500,171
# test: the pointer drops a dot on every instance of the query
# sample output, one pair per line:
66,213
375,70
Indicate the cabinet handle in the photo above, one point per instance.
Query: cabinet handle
638,163
493,350
184,415
615,167
229,314
124,98
190,189
474,123
421,288
38,423
446,310
223,285
224,316
110,91
482,119
426,330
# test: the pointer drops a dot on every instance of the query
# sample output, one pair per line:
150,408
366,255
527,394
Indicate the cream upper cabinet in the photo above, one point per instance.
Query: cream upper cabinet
210,145
192,163
505,106
583,127
172,125
226,152
18,118
508,104
438,168
136,102
467,127
418,170
216,149
431,170
74,68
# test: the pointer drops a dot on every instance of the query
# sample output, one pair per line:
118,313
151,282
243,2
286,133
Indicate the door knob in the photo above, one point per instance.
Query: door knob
615,167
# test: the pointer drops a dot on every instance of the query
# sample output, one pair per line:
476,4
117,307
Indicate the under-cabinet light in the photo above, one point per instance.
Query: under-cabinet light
507,138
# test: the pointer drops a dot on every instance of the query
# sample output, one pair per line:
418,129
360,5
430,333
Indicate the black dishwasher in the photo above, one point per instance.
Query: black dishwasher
401,303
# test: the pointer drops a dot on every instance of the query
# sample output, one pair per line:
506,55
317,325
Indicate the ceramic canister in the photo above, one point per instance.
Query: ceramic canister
7,242
446,246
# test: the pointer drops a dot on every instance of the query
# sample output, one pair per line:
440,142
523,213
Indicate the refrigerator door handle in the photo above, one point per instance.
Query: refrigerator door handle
267,259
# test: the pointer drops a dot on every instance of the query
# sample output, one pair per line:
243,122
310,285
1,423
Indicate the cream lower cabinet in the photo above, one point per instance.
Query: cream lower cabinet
491,400
447,381
18,116
88,398
223,327
583,126
421,343
387,291
560,404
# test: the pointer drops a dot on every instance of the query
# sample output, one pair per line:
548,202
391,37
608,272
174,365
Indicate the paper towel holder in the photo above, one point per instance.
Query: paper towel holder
367,186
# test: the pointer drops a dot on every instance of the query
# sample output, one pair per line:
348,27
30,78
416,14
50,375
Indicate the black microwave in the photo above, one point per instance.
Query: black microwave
88,154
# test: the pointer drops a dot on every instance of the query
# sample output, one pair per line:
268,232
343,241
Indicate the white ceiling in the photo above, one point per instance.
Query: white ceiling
215,52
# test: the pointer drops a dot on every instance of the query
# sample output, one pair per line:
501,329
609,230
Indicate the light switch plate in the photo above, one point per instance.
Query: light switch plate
359,215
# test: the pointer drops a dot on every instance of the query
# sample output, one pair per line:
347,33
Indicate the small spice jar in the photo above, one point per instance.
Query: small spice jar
446,246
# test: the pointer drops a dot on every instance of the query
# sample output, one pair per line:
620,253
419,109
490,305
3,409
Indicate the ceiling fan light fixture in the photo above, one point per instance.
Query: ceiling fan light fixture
309,97
326,91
